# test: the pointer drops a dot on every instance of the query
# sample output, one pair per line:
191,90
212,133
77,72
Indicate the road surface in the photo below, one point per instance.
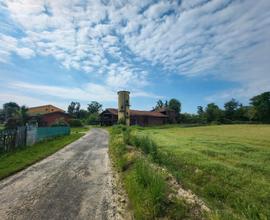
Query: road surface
73,183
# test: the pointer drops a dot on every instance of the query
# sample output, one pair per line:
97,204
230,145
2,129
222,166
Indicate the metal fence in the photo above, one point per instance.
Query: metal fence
49,132
28,135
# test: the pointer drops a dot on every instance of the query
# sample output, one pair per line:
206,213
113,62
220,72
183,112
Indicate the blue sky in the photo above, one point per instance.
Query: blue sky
197,51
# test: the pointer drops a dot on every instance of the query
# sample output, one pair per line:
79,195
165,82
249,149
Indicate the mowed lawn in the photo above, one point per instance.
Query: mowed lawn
227,166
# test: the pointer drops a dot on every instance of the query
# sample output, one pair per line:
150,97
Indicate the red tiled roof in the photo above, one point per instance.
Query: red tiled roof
114,111
163,109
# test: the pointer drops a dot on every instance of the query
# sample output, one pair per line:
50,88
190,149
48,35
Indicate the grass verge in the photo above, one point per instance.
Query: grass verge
147,188
82,129
19,159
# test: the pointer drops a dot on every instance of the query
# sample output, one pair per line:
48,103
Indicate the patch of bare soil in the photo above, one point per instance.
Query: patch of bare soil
120,199
197,207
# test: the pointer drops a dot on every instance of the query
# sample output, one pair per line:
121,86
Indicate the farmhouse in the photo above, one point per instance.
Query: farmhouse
47,115
142,118
135,117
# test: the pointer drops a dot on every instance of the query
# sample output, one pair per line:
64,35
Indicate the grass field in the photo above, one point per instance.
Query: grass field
227,166
17,160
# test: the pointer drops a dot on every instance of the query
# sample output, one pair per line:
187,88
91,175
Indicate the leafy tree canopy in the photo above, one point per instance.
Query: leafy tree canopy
261,104
94,107
175,105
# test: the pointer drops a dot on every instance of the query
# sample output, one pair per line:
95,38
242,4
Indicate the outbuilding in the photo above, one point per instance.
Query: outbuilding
46,115
137,117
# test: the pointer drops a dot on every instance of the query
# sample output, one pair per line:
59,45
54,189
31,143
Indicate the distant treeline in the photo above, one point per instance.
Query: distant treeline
258,111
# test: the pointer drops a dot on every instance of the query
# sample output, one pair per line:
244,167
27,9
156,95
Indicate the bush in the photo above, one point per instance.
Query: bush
121,121
75,123
93,119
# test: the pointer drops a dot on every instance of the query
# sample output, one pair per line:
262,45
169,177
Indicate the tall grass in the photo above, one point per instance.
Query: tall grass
146,187
147,190
118,147
146,144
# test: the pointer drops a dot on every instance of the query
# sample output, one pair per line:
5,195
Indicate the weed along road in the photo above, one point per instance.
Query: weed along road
74,183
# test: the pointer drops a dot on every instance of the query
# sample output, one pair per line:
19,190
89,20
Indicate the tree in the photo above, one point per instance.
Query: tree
159,104
10,109
166,104
2,116
242,113
231,108
74,109
82,114
213,113
201,115
14,115
175,105
200,110
261,104
94,107
23,113
93,119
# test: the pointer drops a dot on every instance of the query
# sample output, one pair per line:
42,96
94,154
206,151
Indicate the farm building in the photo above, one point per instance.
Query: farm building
135,117
142,118
47,115
169,112
43,109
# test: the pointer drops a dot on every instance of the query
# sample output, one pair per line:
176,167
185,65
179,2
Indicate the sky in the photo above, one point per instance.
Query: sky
198,51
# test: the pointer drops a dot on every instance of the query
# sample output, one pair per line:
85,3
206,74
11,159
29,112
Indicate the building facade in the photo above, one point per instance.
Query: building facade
141,118
47,115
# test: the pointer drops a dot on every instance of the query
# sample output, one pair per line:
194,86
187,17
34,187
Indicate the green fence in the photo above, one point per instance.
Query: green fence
49,132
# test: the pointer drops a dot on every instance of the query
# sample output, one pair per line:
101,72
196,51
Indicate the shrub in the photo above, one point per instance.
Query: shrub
121,121
75,123
93,119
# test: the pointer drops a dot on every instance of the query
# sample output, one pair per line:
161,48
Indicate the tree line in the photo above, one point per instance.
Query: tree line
85,116
258,111
233,111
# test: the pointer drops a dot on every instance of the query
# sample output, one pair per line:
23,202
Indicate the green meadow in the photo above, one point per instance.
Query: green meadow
227,166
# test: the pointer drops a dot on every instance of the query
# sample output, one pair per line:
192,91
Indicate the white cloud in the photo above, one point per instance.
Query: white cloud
191,38
87,92
9,45
26,100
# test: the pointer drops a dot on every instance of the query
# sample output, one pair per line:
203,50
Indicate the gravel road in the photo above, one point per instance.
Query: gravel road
74,183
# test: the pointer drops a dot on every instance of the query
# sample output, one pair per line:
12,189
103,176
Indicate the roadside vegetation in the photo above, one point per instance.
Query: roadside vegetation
227,166
82,129
146,184
19,159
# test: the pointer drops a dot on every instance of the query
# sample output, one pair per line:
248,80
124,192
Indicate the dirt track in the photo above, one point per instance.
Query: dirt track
74,183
